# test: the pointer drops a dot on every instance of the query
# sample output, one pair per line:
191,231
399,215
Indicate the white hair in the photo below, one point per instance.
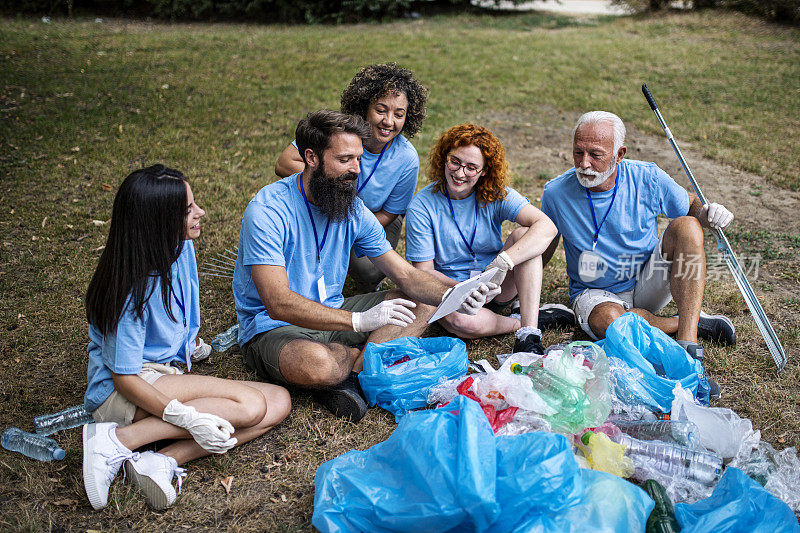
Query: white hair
593,117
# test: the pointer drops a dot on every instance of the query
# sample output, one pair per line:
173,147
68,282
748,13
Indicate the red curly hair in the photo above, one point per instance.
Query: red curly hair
492,185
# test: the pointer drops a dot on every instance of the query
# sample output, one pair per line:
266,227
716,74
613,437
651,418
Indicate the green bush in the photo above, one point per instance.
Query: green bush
786,11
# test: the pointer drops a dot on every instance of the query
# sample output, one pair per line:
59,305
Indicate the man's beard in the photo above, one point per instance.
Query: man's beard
599,177
335,197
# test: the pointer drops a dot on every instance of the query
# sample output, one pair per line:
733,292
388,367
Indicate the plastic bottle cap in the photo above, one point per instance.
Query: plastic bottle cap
59,454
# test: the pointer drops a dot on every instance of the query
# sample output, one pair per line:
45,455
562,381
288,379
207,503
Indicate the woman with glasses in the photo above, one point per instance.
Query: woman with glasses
454,231
392,101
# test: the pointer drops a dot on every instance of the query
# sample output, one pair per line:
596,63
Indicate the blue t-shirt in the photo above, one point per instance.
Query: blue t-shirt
154,339
276,231
431,232
394,181
630,232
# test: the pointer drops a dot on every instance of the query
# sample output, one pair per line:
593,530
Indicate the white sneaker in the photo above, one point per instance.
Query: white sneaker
201,352
103,454
153,472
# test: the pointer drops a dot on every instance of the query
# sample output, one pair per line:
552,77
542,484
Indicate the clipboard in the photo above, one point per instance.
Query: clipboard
459,294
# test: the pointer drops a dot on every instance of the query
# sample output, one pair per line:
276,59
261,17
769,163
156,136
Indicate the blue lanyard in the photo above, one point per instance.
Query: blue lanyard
475,229
319,245
591,207
182,307
361,164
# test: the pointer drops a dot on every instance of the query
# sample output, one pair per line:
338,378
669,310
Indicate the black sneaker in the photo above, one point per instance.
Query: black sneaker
717,328
696,351
498,308
344,400
556,316
530,343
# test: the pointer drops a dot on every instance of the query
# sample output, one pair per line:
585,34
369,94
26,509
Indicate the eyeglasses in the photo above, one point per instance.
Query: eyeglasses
453,164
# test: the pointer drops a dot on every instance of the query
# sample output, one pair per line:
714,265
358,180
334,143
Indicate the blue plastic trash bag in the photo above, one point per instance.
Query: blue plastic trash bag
660,359
737,504
398,374
444,470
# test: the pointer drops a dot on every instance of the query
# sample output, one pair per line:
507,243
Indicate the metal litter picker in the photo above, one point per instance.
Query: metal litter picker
763,323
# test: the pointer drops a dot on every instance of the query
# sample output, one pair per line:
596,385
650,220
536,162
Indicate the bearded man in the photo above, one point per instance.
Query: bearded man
606,209
294,247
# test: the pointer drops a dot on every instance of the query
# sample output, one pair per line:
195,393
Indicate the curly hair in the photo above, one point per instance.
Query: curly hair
492,185
375,81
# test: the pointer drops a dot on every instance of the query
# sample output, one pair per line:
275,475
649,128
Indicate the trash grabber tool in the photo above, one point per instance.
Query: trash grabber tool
763,323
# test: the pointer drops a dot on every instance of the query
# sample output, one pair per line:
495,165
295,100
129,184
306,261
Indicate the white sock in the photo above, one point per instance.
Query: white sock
524,331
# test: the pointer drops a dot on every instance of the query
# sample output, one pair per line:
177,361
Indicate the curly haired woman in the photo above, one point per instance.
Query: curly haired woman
392,101
454,231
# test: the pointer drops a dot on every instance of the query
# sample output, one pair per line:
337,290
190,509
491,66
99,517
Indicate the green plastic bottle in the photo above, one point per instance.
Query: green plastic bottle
662,518
567,399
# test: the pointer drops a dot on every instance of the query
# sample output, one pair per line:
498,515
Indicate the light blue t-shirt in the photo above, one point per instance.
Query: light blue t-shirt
276,230
394,181
431,232
154,339
629,234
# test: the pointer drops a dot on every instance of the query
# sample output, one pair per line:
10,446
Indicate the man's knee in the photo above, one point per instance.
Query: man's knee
684,231
460,324
603,315
313,364
422,311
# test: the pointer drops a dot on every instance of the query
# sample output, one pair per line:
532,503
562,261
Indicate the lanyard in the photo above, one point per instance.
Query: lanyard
475,229
182,307
594,220
319,245
360,163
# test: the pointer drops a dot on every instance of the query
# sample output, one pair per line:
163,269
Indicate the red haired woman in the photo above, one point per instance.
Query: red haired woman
453,230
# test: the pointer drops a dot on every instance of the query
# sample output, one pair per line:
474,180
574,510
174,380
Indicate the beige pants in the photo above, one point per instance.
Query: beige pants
119,409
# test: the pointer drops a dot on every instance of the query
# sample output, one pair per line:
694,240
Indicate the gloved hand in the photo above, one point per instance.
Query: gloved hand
396,312
717,215
211,432
477,298
503,263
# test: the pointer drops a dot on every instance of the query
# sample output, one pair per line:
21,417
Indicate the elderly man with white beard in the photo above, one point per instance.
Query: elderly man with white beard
606,209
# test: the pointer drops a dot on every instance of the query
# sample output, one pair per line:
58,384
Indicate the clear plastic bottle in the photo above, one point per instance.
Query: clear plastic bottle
678,431
32,445
671,460
226,339
67,419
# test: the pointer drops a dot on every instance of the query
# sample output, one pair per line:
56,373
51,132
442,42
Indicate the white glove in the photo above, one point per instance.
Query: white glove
477,298
717,215
211,432
503,263
396,312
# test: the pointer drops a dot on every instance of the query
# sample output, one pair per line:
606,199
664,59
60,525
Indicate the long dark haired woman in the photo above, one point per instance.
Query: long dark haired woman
143,308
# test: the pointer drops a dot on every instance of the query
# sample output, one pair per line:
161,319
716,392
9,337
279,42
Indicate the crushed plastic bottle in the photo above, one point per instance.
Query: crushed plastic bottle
69,418
568,400
671,460
605,455
31,445
226,339
678,431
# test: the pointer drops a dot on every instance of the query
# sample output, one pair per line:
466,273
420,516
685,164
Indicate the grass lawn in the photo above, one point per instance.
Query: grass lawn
83,103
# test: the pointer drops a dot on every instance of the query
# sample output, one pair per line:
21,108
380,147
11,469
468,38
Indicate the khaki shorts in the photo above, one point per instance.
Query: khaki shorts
119,409
261,354
651,291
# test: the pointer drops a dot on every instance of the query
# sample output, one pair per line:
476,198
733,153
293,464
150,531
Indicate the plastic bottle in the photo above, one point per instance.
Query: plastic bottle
32,445
568,400
677,431
671,460
67,419
226,339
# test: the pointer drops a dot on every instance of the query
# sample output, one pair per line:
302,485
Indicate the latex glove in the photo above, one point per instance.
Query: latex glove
503,263
211,432
396,312
717,215
478,298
